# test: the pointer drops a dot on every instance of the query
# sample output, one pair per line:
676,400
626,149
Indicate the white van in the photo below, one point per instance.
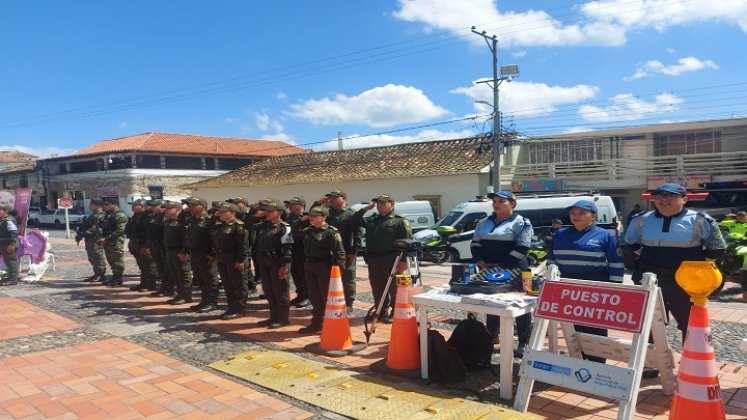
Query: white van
539,210
419,213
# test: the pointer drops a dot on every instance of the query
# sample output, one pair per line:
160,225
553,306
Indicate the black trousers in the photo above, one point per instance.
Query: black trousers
11,263
177,276
233,283
276,289
676,300
595,331
297,273
317,285
207,275
348,282
379,269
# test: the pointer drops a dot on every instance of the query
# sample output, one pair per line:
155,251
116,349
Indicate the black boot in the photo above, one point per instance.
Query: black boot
116,280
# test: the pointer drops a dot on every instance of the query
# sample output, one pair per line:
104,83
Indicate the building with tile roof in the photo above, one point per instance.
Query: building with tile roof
444,172
139,165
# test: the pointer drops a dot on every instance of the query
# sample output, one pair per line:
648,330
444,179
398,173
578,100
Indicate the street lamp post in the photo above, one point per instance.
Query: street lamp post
507,73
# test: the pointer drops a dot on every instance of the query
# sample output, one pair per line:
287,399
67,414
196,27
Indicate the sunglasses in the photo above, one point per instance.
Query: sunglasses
666,196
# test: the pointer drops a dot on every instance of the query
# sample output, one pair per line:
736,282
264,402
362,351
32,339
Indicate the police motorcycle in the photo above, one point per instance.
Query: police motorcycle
537,251
435,244
735,256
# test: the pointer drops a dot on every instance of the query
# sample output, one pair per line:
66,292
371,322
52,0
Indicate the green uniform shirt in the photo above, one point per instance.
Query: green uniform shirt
230,241
382,231
323,244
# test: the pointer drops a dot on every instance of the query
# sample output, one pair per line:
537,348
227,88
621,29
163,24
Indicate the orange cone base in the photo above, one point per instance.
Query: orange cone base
683,409
404,345
355,347
381,367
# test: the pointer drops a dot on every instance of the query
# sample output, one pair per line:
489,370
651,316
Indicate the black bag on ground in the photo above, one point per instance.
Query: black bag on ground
444,364
472,342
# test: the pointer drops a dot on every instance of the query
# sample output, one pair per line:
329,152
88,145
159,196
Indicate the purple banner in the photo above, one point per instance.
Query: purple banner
21,206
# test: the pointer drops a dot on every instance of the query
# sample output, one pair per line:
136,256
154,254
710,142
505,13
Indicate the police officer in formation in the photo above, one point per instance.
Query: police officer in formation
230,247
341,217
197,248
298,221
274,248
112,238
246,215
8,245
382,230
322,248
176,272
133,245
152,235
89,230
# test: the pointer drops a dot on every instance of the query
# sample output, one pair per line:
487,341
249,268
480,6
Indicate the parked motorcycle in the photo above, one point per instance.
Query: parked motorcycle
436,245
537,252
735,257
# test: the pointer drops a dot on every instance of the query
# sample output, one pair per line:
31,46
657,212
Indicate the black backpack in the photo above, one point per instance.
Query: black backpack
444,364
472,342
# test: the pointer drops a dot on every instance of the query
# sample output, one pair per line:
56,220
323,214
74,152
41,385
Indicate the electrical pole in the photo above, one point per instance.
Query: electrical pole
492,42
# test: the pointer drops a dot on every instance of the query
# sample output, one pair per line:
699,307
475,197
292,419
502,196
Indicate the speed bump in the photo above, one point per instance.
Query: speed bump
351,393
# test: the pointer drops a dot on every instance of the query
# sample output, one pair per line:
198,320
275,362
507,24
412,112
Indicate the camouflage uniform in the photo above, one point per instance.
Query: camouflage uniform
113,238
89,230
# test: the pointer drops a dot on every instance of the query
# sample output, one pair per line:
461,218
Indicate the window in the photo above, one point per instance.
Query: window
183,162
84,166
687,143
566,151
148,162
231,164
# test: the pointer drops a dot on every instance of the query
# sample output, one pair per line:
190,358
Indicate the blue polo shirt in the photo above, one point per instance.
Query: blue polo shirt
590,254
503,243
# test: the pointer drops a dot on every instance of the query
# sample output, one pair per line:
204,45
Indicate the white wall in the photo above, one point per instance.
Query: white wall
454,189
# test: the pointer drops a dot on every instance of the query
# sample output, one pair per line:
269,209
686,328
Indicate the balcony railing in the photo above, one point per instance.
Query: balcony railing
714,164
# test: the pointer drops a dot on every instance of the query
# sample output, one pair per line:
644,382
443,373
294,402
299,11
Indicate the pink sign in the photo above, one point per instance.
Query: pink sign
21,206
595,306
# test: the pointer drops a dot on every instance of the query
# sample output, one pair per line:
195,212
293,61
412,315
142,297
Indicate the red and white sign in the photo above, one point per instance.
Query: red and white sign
596,306
65,203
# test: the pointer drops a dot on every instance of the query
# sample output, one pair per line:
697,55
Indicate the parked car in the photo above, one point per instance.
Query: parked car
56,217
33,217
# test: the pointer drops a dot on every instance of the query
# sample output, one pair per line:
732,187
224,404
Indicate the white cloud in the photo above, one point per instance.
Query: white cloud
519,54
661,15
388,140
42,152
526,99
684,65
604,22
383,106
627,107
265,123
280,137
530,28
123,124
229,120
281,96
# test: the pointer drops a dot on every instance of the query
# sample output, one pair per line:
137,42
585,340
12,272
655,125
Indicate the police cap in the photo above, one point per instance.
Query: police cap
295,200
97,202
194,200
226,206
237,200
270,205
506,195
318,211
154,202
172,204
383,197
670,188
337,193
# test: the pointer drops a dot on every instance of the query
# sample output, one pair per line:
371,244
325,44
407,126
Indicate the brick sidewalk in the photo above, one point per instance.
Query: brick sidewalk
168,387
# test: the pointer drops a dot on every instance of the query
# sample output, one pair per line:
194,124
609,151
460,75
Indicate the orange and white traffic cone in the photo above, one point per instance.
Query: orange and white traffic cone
336,339
697,393
404,345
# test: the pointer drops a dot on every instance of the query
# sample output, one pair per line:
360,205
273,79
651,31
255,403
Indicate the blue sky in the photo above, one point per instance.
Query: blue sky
76,72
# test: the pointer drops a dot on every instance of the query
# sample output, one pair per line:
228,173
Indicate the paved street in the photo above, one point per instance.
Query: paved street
69,349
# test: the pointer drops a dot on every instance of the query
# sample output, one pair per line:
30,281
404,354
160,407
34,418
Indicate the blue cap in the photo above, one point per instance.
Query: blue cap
584,205
670,188
507,195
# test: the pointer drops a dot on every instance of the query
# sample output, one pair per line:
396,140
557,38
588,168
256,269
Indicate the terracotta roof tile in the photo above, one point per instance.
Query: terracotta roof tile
27,167
404,160
15,156
191,144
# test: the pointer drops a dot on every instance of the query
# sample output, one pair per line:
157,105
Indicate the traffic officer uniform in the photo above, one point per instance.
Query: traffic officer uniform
154,245
298,223
176,271
381,232
9,245
274,249
231,249
322,248
250,283
664,242
505,244
590,254
112,236
197,244
90,231
351,241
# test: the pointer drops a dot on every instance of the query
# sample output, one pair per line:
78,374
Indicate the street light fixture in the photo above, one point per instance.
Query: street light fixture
507,72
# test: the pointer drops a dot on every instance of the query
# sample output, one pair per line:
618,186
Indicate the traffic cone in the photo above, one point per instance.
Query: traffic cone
404,345
697,392
336,339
